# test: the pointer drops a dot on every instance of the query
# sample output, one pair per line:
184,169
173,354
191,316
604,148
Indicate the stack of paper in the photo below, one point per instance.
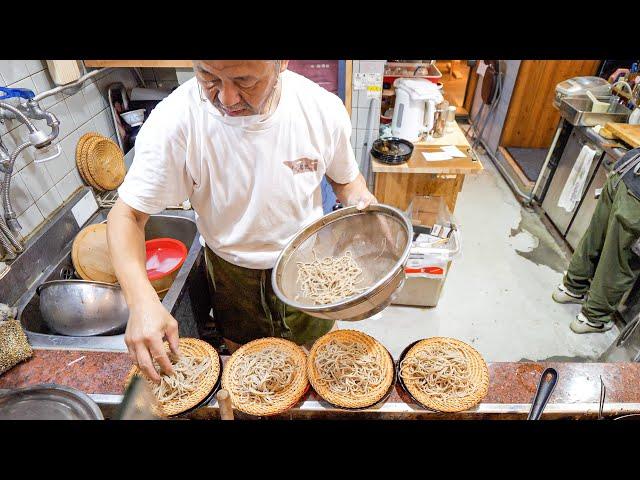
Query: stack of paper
446,152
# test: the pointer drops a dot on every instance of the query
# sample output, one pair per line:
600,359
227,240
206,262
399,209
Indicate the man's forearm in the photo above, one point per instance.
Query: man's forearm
350,193
125,234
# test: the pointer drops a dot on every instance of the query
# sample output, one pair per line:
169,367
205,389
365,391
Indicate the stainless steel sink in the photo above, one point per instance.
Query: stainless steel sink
577,111
50,252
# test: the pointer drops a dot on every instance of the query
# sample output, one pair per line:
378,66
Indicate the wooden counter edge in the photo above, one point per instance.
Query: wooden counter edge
471,167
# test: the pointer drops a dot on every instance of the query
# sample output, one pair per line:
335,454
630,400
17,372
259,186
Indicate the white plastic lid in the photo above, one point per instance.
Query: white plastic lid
419,88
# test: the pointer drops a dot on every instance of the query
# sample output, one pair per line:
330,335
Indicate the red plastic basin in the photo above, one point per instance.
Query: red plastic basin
165,256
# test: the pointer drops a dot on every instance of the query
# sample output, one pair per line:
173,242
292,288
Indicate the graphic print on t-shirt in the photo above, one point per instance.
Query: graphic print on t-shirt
302,165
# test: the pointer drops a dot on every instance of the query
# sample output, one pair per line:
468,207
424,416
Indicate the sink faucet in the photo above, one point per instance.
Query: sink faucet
27,109
37,138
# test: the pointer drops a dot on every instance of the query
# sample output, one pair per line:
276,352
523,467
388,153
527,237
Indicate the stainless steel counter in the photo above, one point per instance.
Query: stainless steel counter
603,143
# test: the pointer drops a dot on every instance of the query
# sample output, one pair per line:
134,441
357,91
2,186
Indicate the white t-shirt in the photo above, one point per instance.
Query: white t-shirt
252,186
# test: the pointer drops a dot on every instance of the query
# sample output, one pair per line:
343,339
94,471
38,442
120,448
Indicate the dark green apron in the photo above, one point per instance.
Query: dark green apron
246,308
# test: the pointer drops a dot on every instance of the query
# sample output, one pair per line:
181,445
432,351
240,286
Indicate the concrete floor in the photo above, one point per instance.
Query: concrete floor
497,296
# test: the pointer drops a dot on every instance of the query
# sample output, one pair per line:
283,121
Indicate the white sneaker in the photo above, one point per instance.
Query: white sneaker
562,295
582,324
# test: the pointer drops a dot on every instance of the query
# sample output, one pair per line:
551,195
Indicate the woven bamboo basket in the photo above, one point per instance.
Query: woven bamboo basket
374,348
79,147
479,378
195,348
84,171
283,400
105,163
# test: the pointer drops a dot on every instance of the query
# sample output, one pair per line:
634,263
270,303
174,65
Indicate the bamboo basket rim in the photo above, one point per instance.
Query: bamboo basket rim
375,347
479,375
285,399
196,347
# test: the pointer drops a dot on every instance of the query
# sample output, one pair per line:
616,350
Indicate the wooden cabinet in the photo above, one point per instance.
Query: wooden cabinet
531,119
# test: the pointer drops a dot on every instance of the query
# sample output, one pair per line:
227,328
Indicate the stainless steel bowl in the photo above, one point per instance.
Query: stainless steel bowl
81,308
379,238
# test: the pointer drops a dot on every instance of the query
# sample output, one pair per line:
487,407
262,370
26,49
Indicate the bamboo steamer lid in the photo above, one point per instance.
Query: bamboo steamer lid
105,163
374,348
283,400
191,347
90,254
478,377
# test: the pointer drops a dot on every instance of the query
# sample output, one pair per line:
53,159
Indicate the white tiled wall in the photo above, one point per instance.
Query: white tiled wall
360,107
37,190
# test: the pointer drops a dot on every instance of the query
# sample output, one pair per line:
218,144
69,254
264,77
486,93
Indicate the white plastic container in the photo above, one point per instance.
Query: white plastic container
429,263
426,276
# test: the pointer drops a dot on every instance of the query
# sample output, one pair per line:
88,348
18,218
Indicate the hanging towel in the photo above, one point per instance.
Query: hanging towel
572,191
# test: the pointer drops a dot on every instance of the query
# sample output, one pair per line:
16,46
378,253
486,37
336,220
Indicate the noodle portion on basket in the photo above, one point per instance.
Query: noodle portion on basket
445,374
348,368
330,279
266,376
196,373
258,377
189,372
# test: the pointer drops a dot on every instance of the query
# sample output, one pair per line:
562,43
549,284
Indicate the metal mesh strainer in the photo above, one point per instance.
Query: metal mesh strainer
379,239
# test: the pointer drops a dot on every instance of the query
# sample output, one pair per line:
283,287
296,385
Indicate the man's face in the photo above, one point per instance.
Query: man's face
238,87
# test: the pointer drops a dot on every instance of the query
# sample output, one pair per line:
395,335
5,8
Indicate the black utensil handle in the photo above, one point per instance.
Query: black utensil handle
547,383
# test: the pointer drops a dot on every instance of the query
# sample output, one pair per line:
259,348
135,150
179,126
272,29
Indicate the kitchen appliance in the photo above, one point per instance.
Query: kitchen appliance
379,239
578,111
578,86
415,107
587,206
558,215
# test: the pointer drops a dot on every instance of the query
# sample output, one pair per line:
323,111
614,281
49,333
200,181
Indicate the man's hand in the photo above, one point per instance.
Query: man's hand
354,193
149,322
362,201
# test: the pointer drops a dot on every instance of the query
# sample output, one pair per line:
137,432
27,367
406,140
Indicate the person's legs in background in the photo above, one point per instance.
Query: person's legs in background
617,266
584,261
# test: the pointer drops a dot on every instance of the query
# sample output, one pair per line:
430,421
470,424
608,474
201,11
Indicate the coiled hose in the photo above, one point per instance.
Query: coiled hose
9,213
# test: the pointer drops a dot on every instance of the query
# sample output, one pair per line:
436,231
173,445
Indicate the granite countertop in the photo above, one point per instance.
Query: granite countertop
511,388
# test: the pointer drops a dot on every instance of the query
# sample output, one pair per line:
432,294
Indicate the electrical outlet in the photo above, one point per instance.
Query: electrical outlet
86,207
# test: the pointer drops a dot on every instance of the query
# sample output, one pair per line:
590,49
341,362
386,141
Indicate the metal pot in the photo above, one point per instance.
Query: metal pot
48,401
81,308
379,239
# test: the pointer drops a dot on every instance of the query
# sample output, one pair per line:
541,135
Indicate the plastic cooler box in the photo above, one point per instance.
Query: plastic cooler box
430,259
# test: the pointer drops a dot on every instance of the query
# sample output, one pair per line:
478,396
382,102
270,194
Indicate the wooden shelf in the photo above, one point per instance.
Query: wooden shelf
139,63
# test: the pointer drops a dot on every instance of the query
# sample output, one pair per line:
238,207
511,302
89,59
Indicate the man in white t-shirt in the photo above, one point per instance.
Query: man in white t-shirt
248,143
